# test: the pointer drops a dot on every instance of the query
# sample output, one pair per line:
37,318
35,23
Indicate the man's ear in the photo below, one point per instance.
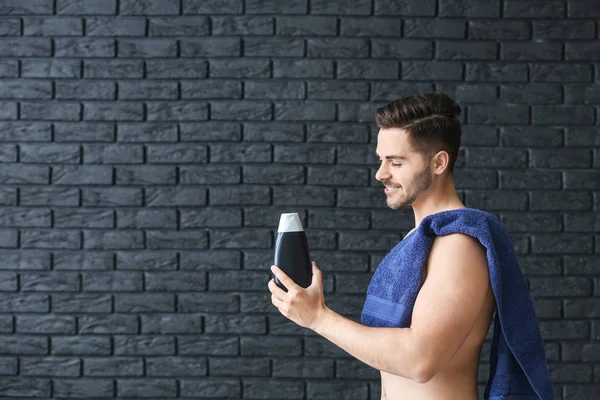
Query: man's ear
440,162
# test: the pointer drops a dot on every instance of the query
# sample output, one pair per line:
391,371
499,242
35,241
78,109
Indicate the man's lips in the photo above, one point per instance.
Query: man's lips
390,189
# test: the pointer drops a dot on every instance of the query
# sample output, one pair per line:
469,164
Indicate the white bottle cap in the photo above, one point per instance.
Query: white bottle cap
290,222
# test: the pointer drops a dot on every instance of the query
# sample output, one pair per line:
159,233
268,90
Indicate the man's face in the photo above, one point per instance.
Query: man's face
405,175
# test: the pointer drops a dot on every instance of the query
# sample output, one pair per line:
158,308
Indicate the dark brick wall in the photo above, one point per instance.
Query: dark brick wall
148,148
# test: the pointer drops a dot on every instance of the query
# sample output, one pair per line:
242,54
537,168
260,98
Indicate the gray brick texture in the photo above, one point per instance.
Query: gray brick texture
148,147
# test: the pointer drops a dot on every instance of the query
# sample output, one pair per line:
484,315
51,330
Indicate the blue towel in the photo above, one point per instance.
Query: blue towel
518,369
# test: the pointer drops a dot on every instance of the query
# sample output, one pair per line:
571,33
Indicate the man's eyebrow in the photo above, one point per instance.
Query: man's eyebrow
393,157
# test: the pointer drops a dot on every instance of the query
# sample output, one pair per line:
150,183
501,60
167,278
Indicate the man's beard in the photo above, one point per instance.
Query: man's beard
420,184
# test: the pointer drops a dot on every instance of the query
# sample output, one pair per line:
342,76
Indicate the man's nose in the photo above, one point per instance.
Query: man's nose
382,172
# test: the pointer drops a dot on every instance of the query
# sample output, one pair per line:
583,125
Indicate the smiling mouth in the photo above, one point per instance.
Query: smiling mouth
389,189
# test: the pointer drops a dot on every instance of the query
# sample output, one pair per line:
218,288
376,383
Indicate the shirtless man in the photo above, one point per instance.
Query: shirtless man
437,356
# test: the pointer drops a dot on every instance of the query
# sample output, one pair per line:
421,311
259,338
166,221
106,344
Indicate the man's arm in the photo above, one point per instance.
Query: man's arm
445,311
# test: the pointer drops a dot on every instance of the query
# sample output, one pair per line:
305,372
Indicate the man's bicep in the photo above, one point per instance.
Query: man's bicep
451,297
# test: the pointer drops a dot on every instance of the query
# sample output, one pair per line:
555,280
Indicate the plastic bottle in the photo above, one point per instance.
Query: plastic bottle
291,251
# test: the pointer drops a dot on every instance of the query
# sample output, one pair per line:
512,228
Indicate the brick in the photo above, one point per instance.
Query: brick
567,158
349,7
581,94
210,47
425,71
145,133
84,47
240,239
44,239
497,200
82,175
211,387
111,111
552,330
312,110
79,7
171,323
25,387
433,28
302,368
530,179
81,345
338,90
207,302
495,158
535,94
563,29
276,7
23,174
10,27
405,48
49,68
531,136
48,324
241,110
358,26
273,47
255,388
241,25
581,222
562,115
570,73
499,30
144,303
273,174
51,111
560,287
49,196
74,260
334,176
211,7
167,281
145,345
534,9
115,69
492,72
350,391
52,26
581,179
147,48
473,50
369,69
246,324
582,9
246,367
81,303
26,7
10,68
149,7
302,69
109,154
531,52
175,196
178,26
582,136
111,26
405,8
167,239
552,200
111,197
354,369
337,48
106,240
26,47
83,387
112,366
566,243
82,218
95,90
499,114
210,89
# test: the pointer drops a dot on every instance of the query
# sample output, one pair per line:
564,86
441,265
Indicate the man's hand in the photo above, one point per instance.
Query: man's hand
303,306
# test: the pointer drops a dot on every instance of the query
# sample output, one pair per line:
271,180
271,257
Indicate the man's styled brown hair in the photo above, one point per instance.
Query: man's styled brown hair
431,121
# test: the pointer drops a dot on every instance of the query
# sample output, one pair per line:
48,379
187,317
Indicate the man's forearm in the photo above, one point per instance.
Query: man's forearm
390,350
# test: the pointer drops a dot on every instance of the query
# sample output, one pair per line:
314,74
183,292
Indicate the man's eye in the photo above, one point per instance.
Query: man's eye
396,165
